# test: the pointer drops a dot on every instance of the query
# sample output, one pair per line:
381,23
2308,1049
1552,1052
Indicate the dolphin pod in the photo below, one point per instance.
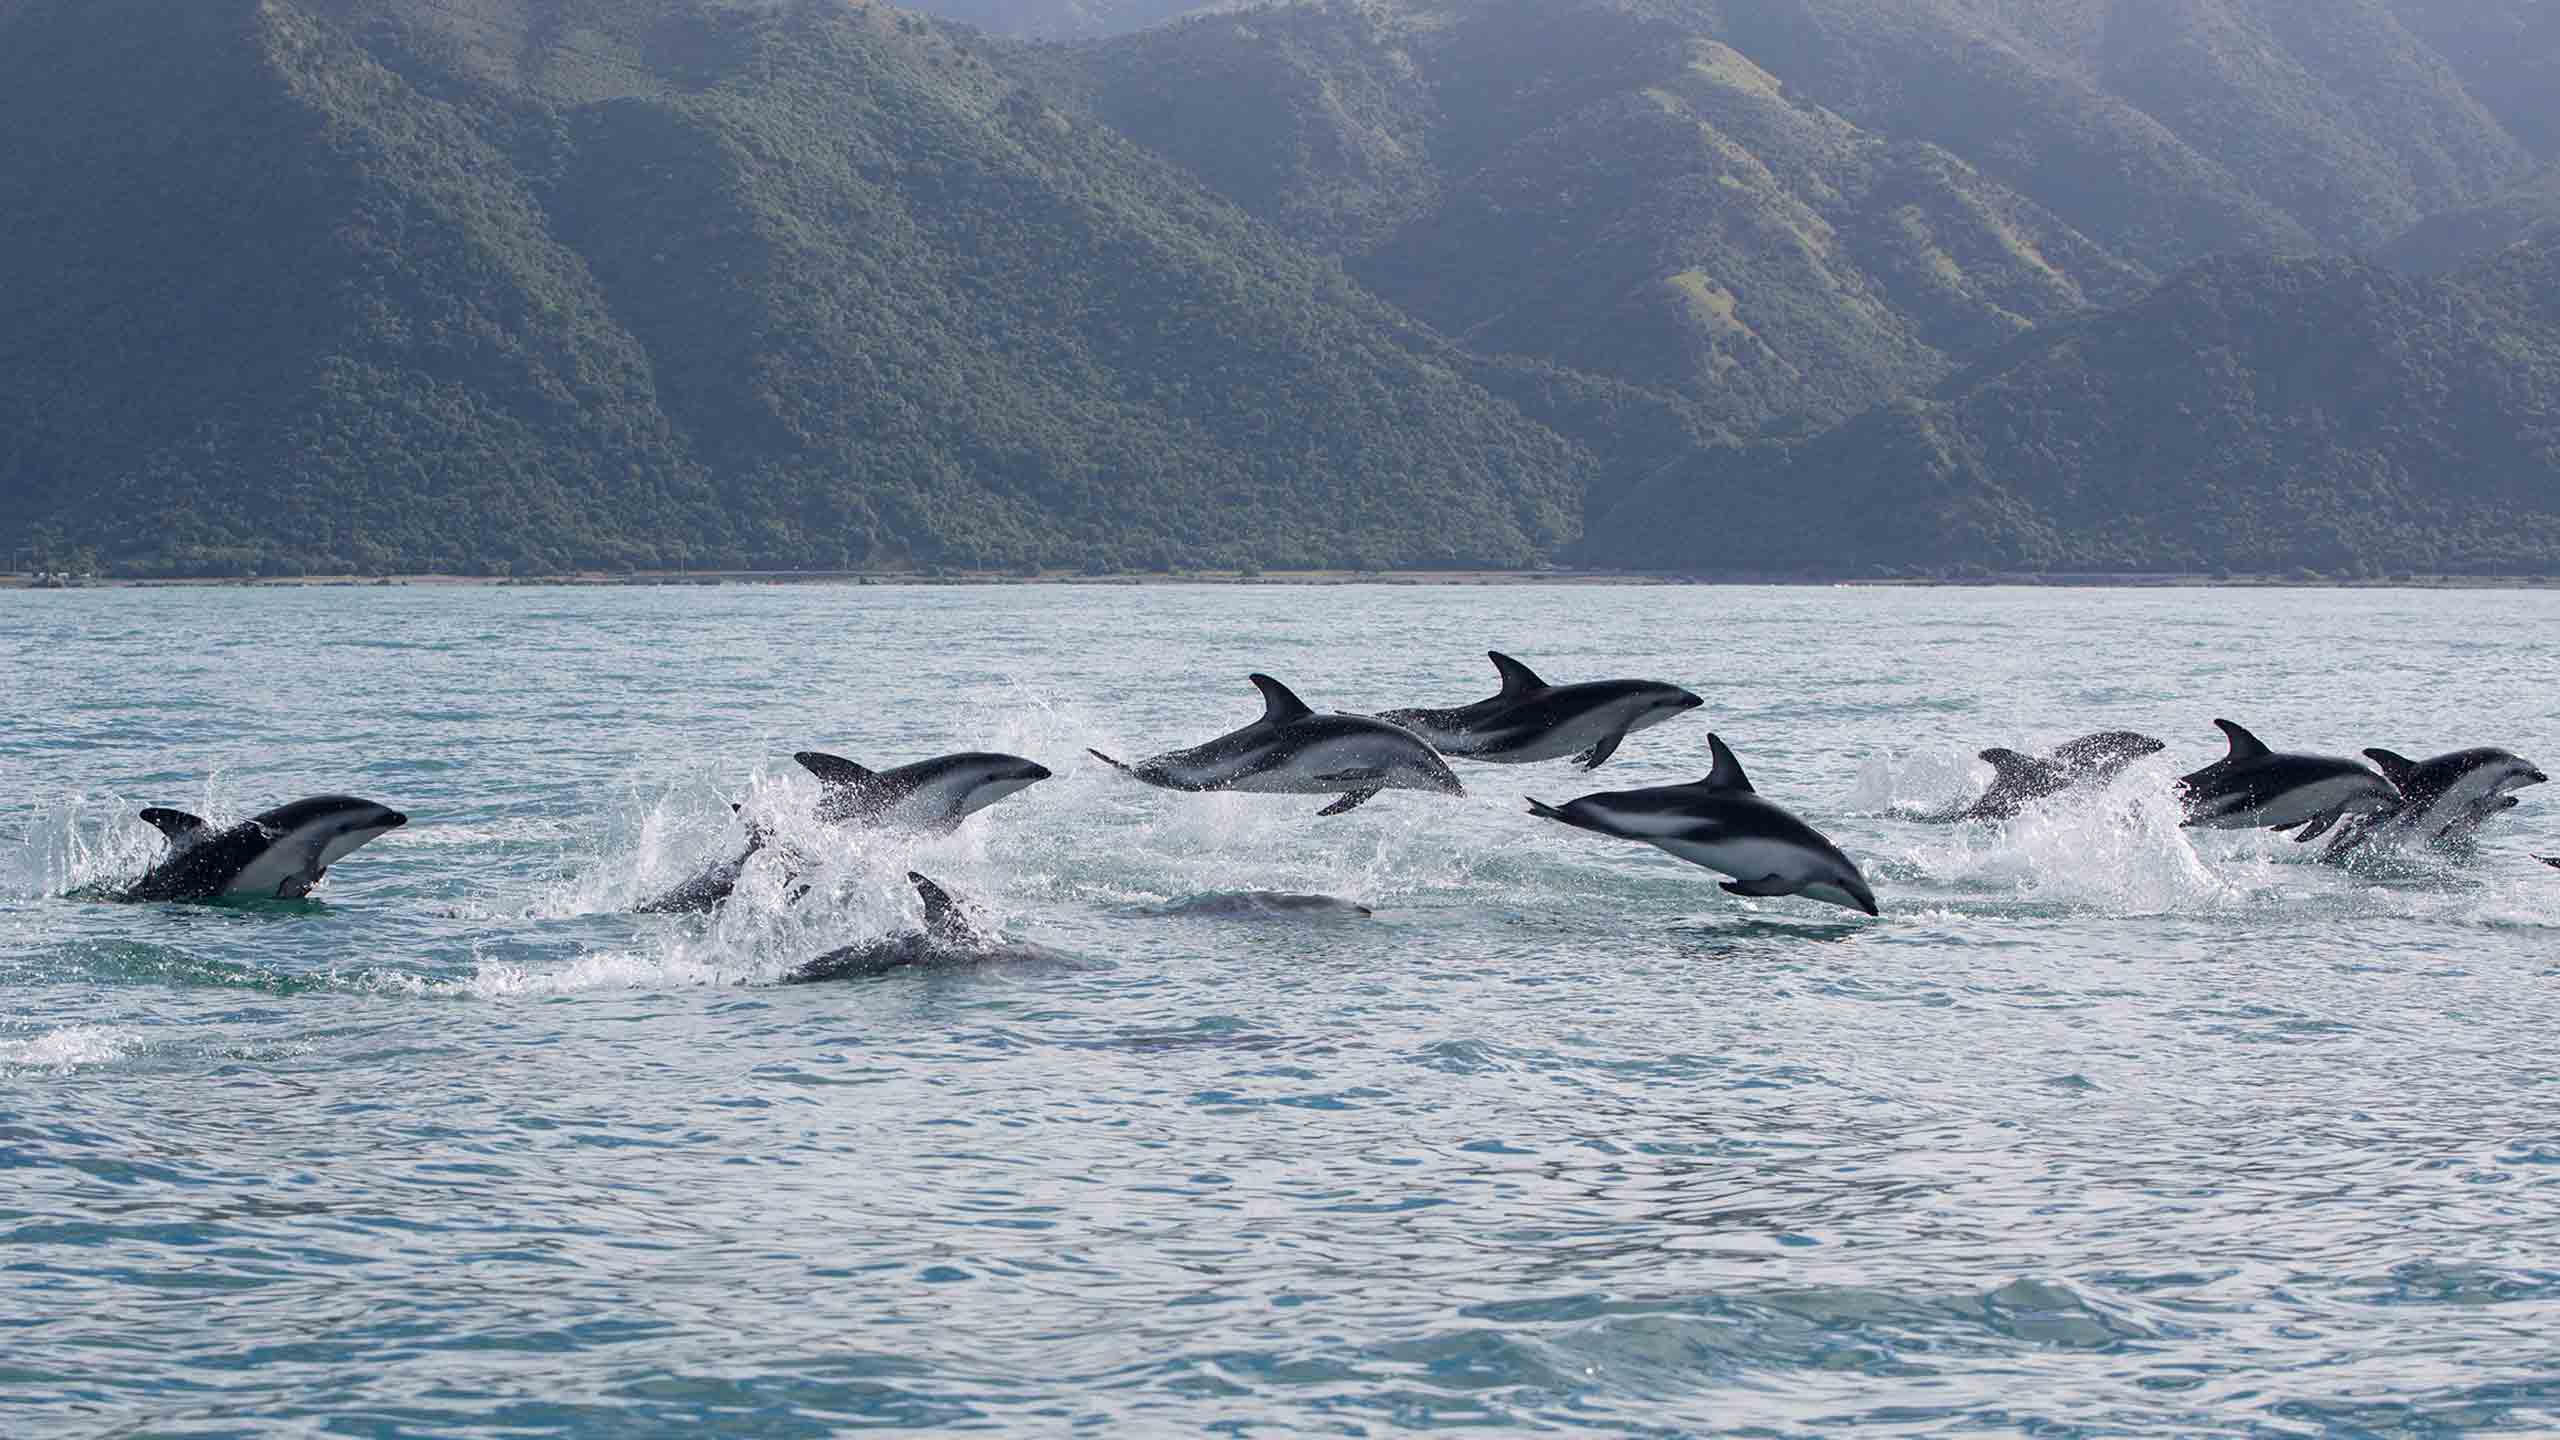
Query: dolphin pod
1719,822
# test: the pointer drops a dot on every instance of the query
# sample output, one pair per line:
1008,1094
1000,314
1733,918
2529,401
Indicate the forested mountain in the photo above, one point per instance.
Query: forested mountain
378,284
2454,238
536,284
1608,189
2258,415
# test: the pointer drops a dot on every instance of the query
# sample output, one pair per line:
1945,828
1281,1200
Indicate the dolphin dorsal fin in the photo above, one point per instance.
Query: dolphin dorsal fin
1728,772
2399,769
2010,764
176,824
2244,746
1279,706
943,918
833,770
1517,679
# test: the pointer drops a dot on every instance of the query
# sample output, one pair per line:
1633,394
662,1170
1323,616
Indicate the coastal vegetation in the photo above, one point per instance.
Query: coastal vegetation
1806,287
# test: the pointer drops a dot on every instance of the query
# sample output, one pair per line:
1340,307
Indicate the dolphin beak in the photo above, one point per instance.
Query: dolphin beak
394,820
2536,778
1688,701
1035,772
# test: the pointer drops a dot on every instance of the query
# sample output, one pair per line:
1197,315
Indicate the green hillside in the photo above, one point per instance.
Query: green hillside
393,286
1609,191
2253,415
2452,239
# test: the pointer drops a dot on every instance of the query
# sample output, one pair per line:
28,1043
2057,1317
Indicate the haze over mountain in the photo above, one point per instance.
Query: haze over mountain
532,284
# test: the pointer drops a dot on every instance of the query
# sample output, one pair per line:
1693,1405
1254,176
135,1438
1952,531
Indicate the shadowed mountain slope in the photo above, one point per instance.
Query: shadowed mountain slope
2252,415
392,285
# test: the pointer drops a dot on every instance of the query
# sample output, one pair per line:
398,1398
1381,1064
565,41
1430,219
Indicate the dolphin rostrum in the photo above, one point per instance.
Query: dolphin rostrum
949,937
1722,824
932,794
1532,720
278,855
1292,750
2018,780
2254,787
2443,801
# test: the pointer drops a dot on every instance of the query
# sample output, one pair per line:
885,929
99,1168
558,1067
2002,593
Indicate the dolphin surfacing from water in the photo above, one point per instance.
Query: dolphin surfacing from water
949,938
2443,801
279,854
2254,788
1721,823
1292,750
1530,720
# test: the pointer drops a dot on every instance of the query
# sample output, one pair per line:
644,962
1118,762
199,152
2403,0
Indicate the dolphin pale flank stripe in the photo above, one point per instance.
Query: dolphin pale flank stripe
2254,787
2442,804
934,794
280,854
1292,750
1531,720
1722,824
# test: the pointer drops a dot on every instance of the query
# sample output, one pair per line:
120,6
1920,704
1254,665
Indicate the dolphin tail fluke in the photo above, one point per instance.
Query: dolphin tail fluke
1350,802
1545,811
1766,887
1598,755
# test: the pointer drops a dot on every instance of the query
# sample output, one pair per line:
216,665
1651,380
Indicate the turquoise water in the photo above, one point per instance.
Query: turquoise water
2105,1128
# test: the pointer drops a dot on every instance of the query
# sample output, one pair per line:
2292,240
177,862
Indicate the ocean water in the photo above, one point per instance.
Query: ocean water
2104,1128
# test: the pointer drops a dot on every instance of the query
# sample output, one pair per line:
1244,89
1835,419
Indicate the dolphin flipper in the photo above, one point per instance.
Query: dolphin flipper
1120,766
1350,802
2551,860
2319,825
1598,755
1764,887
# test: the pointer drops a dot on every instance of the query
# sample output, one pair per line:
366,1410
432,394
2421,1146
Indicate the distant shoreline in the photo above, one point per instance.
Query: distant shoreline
663,578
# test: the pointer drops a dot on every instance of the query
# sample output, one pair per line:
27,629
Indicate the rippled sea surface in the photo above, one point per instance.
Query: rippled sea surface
2105,1127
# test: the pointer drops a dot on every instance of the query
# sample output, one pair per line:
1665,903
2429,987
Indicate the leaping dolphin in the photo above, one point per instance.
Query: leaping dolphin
2017,780
1292,750
2254,787
949,937
2443,801
1531,720
1722,824
932,794
278,855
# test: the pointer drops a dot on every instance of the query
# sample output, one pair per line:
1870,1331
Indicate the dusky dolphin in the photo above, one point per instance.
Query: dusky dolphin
1722,824
934,794
279,854
1531,720
1292,750
2254,788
